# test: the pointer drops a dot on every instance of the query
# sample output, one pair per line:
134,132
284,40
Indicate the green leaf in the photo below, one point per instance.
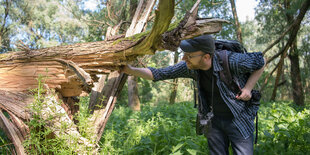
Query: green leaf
191,151
176,148
176,153
266,133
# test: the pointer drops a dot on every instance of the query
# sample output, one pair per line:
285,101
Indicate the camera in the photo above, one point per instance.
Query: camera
203,123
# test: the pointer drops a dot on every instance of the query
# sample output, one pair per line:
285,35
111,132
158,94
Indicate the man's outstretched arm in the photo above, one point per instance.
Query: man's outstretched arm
144,73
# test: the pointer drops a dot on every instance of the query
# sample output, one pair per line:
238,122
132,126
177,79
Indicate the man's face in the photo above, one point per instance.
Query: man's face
197,60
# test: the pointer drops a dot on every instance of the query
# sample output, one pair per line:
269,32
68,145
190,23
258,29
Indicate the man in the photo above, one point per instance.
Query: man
233,121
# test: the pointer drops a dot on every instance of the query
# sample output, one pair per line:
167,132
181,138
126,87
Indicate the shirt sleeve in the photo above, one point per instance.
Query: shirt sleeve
242,63
179,70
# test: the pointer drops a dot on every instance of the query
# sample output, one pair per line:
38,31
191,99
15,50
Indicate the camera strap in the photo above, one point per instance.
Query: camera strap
212,93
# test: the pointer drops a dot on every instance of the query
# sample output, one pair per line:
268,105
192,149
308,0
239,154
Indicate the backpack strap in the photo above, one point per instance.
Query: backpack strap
232,83
225,74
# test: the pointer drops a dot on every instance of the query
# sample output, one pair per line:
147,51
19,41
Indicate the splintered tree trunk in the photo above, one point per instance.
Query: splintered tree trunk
97,92
72,69
139,21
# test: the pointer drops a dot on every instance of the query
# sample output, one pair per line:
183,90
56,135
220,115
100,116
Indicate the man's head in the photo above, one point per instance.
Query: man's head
198,52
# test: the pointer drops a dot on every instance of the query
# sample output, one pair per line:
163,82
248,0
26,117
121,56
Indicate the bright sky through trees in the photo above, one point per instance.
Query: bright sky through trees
245,8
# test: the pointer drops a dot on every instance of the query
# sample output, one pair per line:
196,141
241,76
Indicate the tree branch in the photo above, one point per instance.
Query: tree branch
280,37
295,29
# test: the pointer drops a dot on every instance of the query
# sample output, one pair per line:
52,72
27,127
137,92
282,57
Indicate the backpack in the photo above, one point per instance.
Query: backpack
229,45
221,48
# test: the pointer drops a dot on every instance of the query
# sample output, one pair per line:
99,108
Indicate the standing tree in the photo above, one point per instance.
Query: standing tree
300,8
237,25
174,86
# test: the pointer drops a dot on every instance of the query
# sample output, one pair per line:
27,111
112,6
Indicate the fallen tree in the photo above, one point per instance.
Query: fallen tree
73,69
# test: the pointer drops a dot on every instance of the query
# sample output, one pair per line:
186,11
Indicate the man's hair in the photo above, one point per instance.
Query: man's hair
204,43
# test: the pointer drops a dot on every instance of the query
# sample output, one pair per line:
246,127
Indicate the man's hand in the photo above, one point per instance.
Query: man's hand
245,95
139,72
125,69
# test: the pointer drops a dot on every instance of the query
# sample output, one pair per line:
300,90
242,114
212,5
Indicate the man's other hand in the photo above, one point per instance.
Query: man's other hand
245,95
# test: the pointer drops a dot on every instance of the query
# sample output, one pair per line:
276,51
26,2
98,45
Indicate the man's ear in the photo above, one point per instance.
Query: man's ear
207,56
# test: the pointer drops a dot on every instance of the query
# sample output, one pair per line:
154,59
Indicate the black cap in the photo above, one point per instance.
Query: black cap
204,43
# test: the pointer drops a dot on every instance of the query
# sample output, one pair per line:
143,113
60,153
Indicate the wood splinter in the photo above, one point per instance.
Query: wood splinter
84,76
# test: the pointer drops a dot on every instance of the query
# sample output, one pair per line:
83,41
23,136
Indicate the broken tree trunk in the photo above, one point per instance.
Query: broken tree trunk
19,70
12,133
137,25
72,69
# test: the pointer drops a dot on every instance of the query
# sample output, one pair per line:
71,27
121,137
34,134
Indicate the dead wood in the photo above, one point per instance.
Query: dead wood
21,126
62,126
12,133
137,25
16,103
96,96
19,70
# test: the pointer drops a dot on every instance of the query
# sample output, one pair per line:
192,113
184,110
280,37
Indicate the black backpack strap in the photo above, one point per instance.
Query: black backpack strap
232,83
225,74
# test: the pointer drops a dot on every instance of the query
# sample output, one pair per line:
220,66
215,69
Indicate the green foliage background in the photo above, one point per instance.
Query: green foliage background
161,128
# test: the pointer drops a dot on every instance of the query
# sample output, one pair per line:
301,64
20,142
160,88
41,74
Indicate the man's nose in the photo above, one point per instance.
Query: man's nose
184,57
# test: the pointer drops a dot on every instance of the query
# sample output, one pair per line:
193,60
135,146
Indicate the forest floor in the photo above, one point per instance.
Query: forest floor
160,128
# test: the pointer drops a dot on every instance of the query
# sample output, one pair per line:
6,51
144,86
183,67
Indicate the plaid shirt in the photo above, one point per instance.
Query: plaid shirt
241,66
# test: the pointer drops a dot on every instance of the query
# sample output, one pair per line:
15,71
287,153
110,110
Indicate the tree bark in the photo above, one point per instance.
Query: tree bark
237,24
19,70
298,94
133,97
99,92
174,86
12,133
279,73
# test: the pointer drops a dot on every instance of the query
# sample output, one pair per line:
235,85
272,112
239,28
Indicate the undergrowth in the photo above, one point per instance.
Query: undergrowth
284,128
45,112
161,129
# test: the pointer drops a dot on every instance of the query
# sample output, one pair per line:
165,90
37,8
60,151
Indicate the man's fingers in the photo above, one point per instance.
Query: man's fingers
243,96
